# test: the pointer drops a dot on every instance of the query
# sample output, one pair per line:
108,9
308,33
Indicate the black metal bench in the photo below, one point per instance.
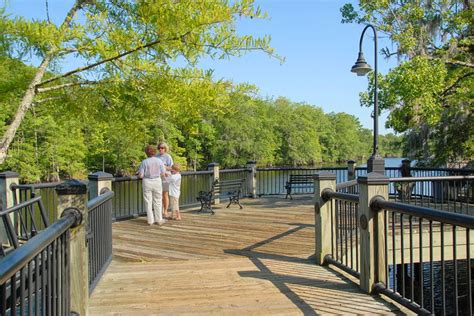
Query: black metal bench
298,181
221,189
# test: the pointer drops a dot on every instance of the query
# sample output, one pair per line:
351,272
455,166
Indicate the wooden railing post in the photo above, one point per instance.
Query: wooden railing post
7,198
214,167
372,238
73,194
7,178
324,217
252,178
351,165
98,182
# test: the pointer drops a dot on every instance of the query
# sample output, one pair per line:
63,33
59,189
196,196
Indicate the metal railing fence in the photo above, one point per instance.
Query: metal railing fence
449,193
127,201
35,278
271,181
128,198
20,223
345,237
191,183
428,257
25,192
99,236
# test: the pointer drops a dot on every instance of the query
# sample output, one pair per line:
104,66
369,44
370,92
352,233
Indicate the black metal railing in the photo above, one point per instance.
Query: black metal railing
191,183
99,236
351,187
35,278
20,223
271,181
345,236
49,198
128,199
428,257
450,193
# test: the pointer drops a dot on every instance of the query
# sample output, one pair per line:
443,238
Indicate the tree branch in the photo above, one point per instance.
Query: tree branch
452,62
103,61
181,37
66,85
459,63
29,95
36,102
453,87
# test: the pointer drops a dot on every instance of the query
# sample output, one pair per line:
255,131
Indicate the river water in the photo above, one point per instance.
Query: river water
439,289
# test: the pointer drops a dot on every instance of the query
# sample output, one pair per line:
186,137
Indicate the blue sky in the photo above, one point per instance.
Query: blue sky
318,48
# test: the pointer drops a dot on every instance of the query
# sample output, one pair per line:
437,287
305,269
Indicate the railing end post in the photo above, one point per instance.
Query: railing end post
351,165
252,178
98,181
323,215
373,187
72,196
214,167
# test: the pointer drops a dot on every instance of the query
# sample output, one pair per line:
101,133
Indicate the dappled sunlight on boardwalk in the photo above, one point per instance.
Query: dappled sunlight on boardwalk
251,261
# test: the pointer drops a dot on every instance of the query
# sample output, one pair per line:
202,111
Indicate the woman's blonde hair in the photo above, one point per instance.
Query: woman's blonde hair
163,144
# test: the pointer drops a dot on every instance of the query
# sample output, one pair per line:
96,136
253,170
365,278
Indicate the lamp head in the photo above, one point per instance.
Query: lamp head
361,68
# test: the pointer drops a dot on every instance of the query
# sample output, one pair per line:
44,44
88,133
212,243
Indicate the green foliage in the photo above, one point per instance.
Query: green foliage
102,118
391,145
105,127
430,93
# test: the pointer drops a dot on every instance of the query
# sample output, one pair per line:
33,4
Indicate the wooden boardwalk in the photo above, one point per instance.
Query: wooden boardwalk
237,262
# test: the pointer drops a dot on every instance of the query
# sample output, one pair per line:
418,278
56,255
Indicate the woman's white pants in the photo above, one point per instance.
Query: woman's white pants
152,199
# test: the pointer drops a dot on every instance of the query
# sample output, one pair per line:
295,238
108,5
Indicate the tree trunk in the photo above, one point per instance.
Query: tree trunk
25,105
30,93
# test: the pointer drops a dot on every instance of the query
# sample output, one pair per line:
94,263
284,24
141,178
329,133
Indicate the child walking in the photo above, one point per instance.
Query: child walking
175,189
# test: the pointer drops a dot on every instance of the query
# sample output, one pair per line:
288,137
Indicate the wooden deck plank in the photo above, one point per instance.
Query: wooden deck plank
252,261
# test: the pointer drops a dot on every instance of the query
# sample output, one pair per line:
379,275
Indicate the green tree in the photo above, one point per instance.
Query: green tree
122,39
430,94
391,145
346,143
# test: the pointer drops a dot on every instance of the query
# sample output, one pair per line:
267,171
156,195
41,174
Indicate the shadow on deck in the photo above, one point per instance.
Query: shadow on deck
252,261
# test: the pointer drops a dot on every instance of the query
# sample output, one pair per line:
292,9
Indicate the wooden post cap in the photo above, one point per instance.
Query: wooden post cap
71,187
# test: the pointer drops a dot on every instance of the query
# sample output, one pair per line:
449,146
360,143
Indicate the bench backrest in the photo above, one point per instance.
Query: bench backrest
226,186
301,178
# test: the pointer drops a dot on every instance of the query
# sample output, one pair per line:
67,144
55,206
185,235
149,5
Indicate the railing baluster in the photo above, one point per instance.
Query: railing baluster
443,272
3,299
345,230
22,291
333,227
455,277
53,278
30,288
394,254
351,228
431,268
412,275
357,236
421,263
402,252
13,286
469,276
37,284
385,228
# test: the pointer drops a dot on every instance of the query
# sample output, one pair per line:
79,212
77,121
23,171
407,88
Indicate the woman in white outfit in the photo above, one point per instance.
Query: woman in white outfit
152,170
168,161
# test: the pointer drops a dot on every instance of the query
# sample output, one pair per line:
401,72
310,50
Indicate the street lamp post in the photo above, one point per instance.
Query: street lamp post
361,68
